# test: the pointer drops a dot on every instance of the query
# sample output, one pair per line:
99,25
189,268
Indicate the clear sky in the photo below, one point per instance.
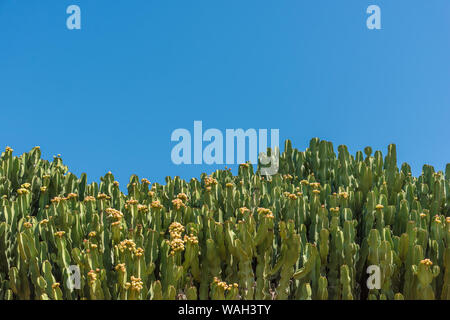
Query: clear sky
107,97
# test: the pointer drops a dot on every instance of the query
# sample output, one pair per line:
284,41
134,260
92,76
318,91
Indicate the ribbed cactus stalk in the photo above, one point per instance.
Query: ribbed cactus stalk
346,283
445,295
425,274
290,249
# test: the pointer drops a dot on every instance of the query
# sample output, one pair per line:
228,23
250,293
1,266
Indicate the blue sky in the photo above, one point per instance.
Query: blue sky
107,97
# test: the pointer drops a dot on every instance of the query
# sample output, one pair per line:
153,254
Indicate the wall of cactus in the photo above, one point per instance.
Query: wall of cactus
308,232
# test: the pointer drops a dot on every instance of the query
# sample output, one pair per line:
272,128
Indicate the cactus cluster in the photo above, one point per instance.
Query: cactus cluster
311,231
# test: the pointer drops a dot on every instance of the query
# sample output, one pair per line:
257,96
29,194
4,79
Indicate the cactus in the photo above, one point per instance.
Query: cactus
425,274
309,231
